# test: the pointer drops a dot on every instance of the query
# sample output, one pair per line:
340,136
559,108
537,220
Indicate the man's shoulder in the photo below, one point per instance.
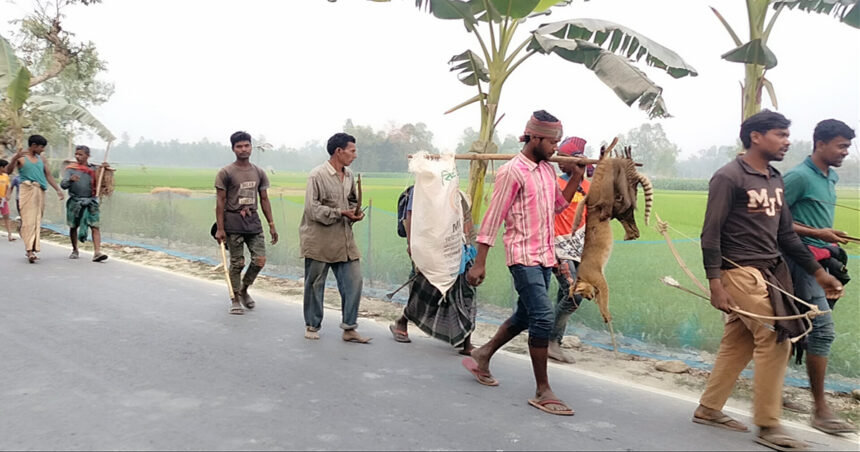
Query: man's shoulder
729,170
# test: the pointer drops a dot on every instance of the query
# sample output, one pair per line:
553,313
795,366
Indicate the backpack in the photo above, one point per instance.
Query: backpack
402,203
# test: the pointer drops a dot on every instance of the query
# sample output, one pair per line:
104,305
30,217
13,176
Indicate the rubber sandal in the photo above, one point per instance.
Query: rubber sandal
833,425
542,405
722,422
781,442
485,378
399,336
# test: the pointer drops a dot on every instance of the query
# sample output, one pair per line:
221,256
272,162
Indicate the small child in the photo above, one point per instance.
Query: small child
5,191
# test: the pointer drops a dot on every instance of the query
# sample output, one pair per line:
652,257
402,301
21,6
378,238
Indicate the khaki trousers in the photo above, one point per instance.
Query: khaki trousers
32,206
744,339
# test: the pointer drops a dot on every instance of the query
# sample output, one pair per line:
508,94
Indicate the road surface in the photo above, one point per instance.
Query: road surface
120,356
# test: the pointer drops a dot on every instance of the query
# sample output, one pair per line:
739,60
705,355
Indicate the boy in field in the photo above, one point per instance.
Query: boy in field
5,191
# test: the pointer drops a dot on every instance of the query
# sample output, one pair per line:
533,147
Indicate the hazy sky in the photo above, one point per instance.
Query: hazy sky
295,70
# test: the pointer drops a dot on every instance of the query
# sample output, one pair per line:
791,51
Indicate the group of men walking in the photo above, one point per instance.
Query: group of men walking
34,176
764,241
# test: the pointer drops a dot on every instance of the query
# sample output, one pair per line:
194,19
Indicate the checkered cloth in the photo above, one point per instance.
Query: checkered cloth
450,318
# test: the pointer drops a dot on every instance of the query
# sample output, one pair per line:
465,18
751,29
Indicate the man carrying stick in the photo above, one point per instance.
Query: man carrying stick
810,193
82,208
35,177
526,198
238,224
745,226
327,242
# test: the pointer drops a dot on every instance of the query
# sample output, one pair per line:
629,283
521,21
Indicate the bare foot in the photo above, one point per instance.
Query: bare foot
353,336
557,353
482,358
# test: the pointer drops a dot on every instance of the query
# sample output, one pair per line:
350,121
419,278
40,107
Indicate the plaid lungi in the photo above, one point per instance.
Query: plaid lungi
450,318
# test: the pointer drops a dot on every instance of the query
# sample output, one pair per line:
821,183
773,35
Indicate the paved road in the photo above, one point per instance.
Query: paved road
119,356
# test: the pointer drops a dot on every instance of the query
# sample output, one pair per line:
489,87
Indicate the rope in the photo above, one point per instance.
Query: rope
813,312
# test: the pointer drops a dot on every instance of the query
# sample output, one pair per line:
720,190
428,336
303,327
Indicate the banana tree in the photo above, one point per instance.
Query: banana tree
17,100
755,54
606,48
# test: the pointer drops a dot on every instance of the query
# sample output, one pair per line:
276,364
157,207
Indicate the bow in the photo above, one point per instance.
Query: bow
663,228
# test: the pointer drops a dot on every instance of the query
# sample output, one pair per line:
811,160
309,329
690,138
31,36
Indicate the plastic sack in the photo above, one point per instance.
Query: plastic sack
437,219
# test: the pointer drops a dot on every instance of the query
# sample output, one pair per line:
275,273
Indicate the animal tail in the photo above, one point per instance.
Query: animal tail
649,195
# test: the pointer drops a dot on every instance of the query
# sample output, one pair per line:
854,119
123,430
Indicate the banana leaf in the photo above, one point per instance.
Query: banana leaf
9,64
471,68
615,71
618,39
753,52
59,105
847,11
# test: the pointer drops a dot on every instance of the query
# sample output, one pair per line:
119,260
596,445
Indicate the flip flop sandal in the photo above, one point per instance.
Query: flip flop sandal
485,378
312,335
74,255
237,310
100,257
788,443
722,422
542,405
399,336
833,425
247,301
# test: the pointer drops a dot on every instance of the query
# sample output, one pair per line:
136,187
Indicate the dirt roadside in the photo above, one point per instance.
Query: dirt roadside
641,370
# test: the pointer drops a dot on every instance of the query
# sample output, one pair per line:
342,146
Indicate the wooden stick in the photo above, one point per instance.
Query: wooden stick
358,190
102,170
226,271
555,158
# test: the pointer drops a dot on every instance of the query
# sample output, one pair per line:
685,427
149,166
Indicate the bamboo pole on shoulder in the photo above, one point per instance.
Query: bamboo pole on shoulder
555,158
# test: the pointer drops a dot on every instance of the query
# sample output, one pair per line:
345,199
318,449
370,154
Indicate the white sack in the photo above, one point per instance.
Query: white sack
437,220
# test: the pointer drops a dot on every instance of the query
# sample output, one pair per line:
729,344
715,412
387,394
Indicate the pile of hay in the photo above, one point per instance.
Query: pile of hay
184,192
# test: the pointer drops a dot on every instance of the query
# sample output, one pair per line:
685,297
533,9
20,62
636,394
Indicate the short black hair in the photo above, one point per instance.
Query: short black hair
239,136
38,140
3,163
829,129
543,115
761,122
338,140
81,147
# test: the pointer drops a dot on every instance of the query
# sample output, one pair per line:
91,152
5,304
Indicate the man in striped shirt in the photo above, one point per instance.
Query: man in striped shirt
526,197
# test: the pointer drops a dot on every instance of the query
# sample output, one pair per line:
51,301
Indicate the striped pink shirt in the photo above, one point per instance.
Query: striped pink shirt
526,197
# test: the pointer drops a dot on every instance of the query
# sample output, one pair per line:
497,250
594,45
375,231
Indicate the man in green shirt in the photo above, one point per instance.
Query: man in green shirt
810,193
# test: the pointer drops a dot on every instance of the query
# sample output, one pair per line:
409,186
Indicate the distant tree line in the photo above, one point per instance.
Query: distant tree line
386,150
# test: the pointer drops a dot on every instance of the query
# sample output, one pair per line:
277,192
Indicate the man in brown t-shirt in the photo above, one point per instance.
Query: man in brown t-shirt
238,224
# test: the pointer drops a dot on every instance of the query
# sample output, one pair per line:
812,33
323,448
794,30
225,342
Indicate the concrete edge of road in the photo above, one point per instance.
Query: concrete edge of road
521,357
